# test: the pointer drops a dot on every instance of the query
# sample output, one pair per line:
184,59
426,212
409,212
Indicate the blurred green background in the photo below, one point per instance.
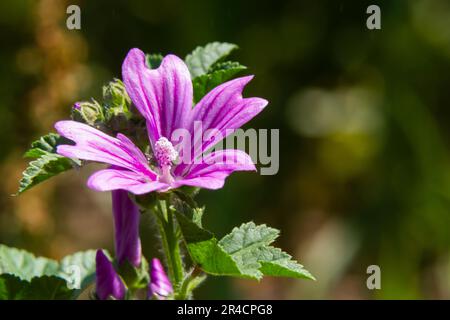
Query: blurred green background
364,138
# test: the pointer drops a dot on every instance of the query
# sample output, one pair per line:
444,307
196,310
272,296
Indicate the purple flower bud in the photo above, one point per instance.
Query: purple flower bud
160,285
108,282
77,106
126,222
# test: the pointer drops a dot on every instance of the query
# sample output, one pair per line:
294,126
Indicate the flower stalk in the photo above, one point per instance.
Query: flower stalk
170,238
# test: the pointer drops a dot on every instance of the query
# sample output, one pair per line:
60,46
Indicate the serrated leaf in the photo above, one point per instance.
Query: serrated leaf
218,74
45,144
154,60
45,167
47,164
204,249
38,288
245,252
202,58
249,245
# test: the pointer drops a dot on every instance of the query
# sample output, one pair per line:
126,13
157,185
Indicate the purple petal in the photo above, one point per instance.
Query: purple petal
224,108
108,282
116,178
160,285
163,96
215,168
126,224
92,144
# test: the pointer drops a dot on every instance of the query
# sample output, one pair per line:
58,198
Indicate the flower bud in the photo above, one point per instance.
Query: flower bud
88,112
108,282
116,100
160,285
126,224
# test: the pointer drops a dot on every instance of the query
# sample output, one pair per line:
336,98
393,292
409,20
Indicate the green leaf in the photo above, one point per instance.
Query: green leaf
11,287
202,58
245,252
217,75
46,144
39,288
204,249
47,164
85,261
154,60
27,267
24,264
249,245
45,167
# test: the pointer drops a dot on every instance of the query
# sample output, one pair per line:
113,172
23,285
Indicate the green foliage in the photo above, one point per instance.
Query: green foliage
25,276
39,288
202,59
135,278
24,264
217,75
154,60
46,144
116,102
245,252
249,245
47,164
85,260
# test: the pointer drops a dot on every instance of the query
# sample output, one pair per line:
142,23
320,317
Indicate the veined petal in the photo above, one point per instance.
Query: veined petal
92,144
224,108
126,226
163,95
215,168
115,179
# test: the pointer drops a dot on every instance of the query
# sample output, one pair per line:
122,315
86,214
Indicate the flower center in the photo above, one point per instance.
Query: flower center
165,154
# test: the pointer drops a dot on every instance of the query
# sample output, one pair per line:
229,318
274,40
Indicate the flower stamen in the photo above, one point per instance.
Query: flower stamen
165,154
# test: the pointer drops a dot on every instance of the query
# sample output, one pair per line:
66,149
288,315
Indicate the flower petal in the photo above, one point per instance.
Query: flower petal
224,108
163,95
92,144
126,226
215,168
116,178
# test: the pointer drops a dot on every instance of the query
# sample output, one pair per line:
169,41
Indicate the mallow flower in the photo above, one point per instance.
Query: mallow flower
108,282
164,97
126,228
159,286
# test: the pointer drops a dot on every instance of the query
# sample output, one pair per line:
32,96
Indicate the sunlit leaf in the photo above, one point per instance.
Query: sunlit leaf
245,252
203,58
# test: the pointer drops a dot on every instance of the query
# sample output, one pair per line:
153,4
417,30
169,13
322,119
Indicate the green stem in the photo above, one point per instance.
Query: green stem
170,237
194,278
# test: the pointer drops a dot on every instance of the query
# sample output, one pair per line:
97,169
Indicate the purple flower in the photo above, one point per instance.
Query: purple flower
160,285
108,282
164,98
126,224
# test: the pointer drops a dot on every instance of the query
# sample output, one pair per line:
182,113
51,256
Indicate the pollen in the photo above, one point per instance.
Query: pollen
164,152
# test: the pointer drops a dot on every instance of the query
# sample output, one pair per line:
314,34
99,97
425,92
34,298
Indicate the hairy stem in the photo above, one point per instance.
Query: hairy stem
192,280
170,237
